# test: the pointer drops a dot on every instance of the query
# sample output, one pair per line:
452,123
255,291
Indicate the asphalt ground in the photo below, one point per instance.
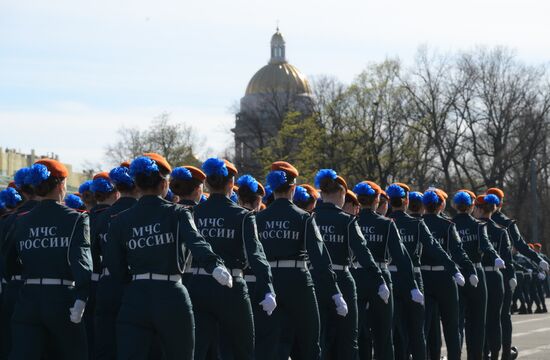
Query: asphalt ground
531,335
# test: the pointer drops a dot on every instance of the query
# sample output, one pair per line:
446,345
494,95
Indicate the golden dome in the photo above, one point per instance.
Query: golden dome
278,77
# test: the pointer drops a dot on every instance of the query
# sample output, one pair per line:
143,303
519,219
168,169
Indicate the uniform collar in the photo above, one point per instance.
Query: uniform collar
366,211
281,202
187,202
326,205
151,199
125,200
398,214
219,198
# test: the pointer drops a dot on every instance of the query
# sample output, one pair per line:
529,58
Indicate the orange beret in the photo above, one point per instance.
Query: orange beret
351,197
496,191
531,246
375,186
160,160
384,195
230,167
12,185
262,206
125,164
311,190
480,199
442,194
403,186
261,189
537,245
77,194
340,180
469,192
55,168
102,175
286,167
196,173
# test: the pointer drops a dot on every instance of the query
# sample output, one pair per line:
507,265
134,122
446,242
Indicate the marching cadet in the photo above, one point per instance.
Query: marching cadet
536,276
384,243
87,194
421,248
529,272
231,231
342,239
109,289
518,295
105,194
250,193
486,205
10,290
519,244
351,204
52,244
416,204
290,237
146,244
440,289
303,199
187,182
473,300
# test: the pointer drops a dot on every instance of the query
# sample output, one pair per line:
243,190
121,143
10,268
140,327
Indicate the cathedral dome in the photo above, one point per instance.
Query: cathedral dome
278,78
278,75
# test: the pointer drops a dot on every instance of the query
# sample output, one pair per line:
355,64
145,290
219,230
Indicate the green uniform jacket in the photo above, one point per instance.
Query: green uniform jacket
232,233
151,237
501,242
51,241
474,238
423,249
290,233
384,243
515,236
444,231
343,238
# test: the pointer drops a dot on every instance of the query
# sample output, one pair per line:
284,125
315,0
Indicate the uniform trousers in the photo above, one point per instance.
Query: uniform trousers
339,334
223,309
150,310
409,338
375,316
41,325
441,296
294,325
473,311
493,328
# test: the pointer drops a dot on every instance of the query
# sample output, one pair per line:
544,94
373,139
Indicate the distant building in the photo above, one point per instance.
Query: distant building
11,161
274,90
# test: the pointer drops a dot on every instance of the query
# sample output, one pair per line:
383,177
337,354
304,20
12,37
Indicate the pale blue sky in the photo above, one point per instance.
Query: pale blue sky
72,72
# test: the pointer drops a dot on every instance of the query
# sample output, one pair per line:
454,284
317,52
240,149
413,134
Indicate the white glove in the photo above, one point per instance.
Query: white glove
474,280
530,271
459,279
541,275
223,276
499,263
513,283
269,304
544,265
341,306
77,311
417,296
384,293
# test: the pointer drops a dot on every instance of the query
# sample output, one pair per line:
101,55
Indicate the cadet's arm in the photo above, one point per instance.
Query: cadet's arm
256,255
400,257
322,264
457,251
80,257
358,245
200,249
